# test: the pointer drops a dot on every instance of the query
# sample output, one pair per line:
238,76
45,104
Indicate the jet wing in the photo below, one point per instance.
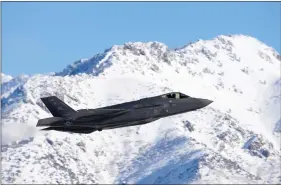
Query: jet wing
101,112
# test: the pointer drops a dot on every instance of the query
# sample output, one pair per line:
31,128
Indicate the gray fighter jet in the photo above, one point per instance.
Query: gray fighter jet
125,114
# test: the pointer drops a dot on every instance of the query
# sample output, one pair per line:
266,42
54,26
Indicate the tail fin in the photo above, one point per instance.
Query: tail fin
57,107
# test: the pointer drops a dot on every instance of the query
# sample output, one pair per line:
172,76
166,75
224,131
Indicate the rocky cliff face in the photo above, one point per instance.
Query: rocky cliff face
235,139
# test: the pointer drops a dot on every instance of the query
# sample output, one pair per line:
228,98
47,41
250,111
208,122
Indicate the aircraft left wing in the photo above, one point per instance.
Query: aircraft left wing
100,112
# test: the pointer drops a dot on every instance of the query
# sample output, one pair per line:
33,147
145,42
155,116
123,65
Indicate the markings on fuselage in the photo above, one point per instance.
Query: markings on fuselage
68,123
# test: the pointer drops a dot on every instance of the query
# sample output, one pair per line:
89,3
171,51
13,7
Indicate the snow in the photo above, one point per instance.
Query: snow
239,73
10,85
5,78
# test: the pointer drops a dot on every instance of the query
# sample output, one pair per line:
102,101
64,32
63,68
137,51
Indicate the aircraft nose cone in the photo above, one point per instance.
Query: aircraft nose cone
205,102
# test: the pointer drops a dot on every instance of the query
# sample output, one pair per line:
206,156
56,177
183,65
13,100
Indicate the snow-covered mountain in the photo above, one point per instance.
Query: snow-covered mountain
235,139
10,84
5,78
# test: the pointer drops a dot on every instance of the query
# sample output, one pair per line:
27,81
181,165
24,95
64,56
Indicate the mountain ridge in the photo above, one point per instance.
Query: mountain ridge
232,140
140,45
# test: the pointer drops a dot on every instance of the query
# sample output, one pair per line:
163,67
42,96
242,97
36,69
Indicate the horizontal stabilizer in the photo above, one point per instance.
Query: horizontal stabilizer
49,121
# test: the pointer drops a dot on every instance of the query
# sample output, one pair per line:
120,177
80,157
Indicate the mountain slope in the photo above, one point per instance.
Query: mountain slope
10,84
232,140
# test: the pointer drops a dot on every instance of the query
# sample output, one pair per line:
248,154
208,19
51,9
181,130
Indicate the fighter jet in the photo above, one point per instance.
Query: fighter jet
126,114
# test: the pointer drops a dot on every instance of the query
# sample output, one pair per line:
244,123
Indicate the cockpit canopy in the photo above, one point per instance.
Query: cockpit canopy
175,95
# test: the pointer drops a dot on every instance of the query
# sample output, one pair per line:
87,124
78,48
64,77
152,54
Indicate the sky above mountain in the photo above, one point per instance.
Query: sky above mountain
45,37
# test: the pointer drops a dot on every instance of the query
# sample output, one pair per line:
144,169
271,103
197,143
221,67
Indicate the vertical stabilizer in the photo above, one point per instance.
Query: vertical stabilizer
57,107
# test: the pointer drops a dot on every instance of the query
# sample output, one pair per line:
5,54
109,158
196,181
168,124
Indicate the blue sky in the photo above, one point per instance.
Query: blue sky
44,37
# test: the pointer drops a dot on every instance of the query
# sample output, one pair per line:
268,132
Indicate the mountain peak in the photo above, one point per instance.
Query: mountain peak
138,45
155,53
5,78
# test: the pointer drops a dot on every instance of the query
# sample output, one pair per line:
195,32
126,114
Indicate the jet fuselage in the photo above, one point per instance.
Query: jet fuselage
121,115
